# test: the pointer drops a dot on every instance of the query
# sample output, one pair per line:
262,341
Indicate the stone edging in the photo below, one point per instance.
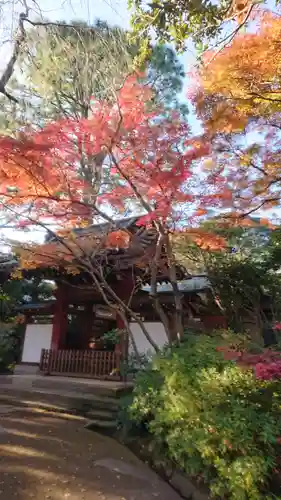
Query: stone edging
186,488
179,481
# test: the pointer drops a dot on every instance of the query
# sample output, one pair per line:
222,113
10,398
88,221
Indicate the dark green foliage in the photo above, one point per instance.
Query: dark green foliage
177,21
13,294
126,425
165,74
111,338
134,364
244,276
215,421
10,343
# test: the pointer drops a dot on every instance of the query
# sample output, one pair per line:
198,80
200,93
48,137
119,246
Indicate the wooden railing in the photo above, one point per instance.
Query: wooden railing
103,365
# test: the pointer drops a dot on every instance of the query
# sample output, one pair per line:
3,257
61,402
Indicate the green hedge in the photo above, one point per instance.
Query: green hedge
215,421
9,345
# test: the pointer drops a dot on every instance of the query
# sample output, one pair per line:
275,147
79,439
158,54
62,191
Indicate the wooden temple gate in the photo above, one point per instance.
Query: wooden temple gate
87,357
77,358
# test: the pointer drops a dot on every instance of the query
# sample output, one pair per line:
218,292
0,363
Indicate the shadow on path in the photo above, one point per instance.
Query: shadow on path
48,456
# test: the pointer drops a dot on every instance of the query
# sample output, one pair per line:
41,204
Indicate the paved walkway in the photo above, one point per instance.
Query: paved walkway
50,456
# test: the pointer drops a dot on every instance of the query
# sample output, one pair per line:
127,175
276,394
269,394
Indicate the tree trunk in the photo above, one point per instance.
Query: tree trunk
102,285
253,324
153,288
91,171
164,233
177,294
130,336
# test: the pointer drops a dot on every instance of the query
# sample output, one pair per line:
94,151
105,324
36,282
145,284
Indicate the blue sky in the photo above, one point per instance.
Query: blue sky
115,12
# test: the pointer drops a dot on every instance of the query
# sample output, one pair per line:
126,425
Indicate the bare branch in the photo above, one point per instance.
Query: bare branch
233,34
8,72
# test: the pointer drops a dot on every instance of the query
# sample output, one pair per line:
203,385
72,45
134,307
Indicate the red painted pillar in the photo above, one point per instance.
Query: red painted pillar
59,321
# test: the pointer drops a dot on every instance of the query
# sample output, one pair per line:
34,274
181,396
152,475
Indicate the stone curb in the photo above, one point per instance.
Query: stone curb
186,488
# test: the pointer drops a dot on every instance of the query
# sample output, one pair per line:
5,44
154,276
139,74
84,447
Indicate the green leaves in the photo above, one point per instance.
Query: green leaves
177,21
212,417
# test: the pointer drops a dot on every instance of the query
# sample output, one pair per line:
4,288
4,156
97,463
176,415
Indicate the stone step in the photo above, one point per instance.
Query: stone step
70,401
15,401
95,401
98,420
26,369
102,415
49,382
112,389
105,418
108,427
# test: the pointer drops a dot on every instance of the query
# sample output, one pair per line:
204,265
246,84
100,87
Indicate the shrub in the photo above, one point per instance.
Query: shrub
9,344
268,371
266,364
216,421
133,364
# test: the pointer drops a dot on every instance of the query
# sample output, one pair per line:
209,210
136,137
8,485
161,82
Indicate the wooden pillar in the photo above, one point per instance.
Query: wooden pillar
22,338
59,322
86,326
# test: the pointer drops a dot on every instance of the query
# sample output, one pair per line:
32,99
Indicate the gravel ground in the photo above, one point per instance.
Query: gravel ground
51,456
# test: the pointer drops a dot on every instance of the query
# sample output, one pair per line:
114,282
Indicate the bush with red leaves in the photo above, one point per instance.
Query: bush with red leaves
267,365
268,371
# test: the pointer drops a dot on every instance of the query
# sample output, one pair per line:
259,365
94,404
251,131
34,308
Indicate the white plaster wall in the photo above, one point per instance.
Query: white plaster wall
157,332
37,337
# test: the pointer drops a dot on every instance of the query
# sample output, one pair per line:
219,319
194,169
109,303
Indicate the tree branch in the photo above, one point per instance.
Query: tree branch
8,71
20,38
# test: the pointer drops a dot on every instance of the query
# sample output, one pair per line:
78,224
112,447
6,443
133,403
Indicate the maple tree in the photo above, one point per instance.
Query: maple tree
148,166
237,95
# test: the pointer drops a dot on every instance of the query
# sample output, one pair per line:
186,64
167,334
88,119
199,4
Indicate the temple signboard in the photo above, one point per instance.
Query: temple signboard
104,312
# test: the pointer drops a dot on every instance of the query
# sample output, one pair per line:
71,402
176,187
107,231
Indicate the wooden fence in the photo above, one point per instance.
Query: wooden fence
104,365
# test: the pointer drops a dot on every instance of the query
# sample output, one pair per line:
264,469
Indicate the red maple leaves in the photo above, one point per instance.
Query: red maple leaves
148,160
125,159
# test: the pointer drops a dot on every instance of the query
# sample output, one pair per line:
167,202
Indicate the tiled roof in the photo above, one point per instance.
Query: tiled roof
194,284
104,227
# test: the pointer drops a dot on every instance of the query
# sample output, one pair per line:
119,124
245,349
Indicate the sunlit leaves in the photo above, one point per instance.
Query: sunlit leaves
238,96
176,21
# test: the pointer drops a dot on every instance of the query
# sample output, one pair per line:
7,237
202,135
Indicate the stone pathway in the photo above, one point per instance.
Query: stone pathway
47,456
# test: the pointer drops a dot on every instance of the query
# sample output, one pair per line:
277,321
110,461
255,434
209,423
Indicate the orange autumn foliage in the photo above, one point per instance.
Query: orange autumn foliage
118,239
238,97
206,240
242,81
201,211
